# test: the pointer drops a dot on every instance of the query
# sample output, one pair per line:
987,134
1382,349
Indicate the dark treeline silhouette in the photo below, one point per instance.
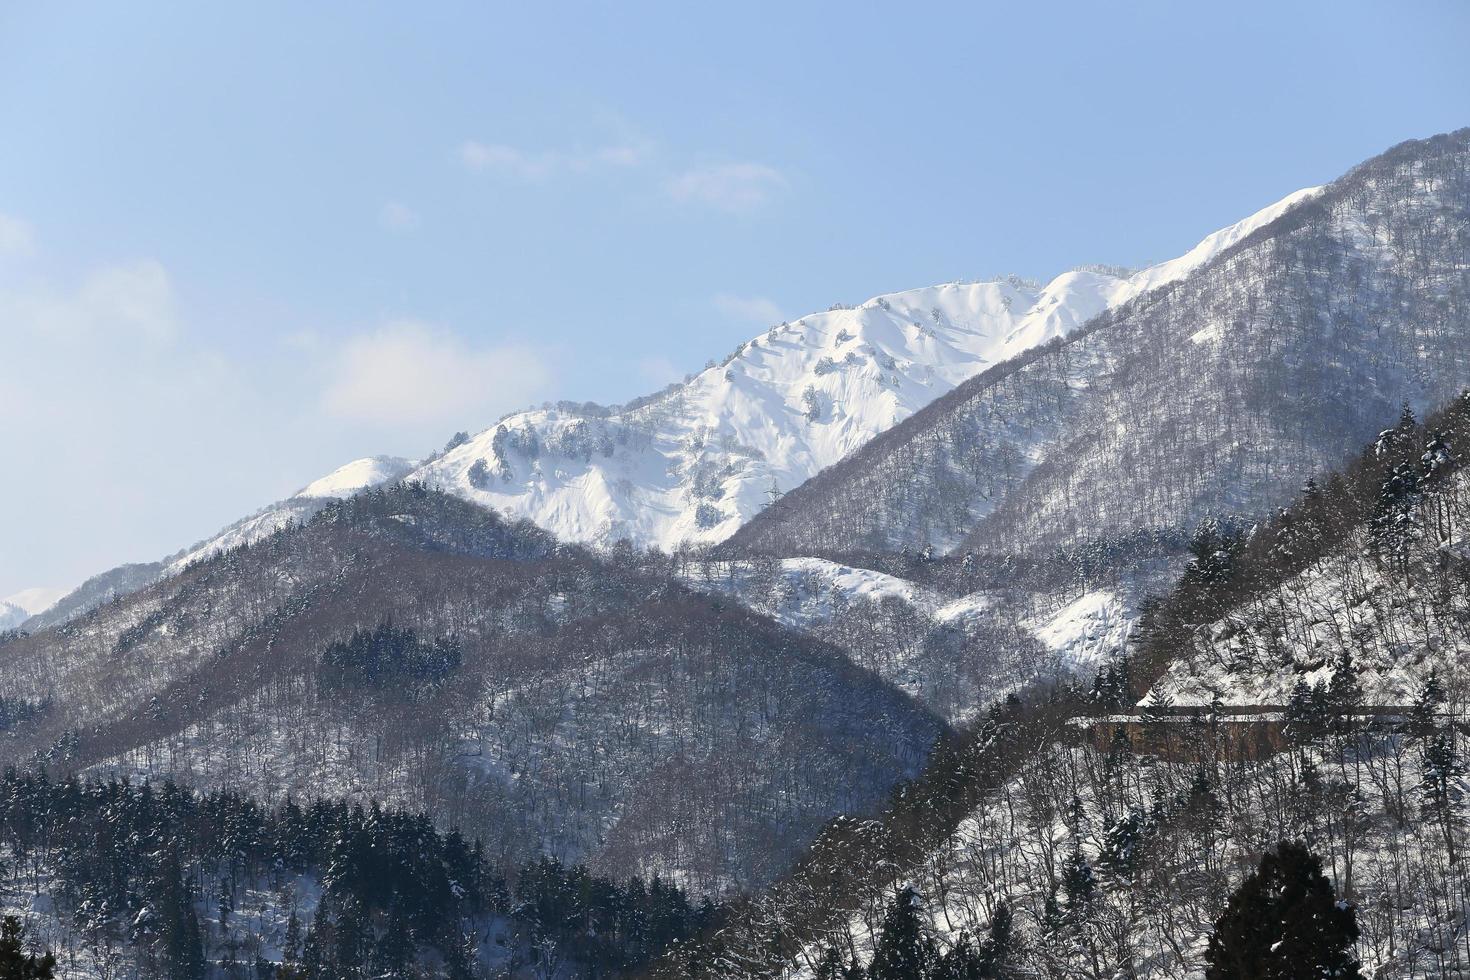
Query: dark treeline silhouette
171,882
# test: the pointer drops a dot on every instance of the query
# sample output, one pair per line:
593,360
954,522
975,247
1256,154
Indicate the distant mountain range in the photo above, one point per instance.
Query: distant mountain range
16,609
693,463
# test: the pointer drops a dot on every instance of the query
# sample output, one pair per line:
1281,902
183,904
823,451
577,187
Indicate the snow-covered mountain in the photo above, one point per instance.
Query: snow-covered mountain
345,481
695,462
16,609
1209,397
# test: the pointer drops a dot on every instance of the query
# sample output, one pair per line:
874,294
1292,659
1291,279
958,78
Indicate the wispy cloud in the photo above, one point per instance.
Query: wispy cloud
398,217
733,187
514,162
16,238
133,300
408,373
749,309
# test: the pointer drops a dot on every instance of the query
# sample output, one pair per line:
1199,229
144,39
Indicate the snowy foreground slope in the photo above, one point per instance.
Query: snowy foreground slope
692,464
1116,848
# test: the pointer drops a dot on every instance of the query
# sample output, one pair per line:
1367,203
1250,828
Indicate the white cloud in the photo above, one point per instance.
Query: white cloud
131,300
510,161
135,446
727,186
752,309
16,238
408,374
399,217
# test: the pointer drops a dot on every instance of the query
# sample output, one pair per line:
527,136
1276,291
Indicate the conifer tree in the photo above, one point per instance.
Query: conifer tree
1284,922
995,952
960,962
1440,787
15,962
830,966
905,949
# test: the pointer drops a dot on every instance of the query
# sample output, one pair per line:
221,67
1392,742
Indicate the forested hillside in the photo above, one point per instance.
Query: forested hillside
413,649
1099,858
957,634
119,880
1215,395
1073,671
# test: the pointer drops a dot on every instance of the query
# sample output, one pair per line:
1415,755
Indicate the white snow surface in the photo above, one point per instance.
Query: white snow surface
1089,629
694,463
813,590
358,475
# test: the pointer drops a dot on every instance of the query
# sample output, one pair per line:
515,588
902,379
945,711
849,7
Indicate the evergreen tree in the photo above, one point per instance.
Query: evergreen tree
1079,884
1440,787
995,952
1424,714
15,962
178,940
905,949
1394,524
1122,846
1284,923
1308,715
830,966
960,962
1344,694
1212,551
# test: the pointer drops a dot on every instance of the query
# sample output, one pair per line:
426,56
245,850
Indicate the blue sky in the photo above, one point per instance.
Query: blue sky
241,246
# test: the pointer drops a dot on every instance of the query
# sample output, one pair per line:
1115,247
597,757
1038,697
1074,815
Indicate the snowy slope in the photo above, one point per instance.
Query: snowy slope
346,480
357,475
696,462
1088,630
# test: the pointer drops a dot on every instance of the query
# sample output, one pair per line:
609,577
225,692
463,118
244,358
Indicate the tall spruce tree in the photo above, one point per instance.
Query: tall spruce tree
1284,922
905,949
1440,787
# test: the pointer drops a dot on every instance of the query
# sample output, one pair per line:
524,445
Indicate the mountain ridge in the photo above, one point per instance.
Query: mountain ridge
1209,396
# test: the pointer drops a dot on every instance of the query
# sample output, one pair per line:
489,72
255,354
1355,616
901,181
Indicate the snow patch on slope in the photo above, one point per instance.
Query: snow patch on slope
345,481
358,475
1089,629
808,592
